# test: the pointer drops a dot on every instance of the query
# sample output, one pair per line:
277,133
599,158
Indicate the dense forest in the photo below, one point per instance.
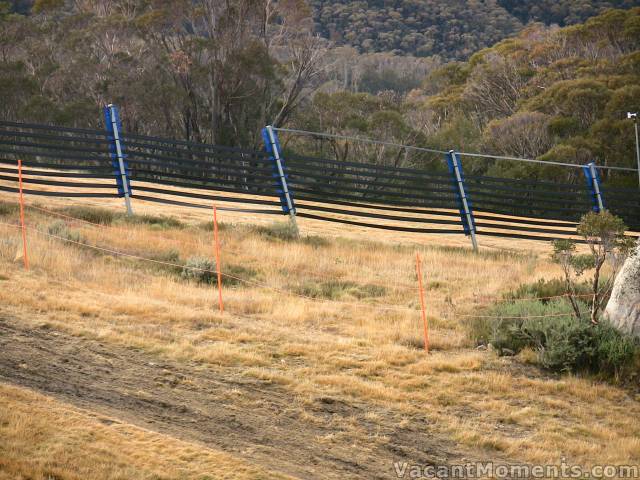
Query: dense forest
451,29
219,71
549,93
205,71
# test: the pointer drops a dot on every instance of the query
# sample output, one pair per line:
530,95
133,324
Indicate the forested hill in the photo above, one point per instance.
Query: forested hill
557,94
452,29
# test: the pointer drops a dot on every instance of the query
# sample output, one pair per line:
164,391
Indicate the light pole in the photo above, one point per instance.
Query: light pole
631,115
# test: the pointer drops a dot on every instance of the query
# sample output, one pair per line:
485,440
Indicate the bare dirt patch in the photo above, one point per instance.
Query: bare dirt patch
253,419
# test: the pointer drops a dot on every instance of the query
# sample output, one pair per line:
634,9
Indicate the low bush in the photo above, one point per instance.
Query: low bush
171,256
200,269
203,270
563,343
59,228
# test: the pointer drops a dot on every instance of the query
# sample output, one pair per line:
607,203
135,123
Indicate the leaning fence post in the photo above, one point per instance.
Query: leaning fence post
114,129
25,256
464,204
272,145
593,184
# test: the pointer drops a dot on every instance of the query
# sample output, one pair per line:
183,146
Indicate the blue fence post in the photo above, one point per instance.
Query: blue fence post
118,157
464,202
593,185
272,146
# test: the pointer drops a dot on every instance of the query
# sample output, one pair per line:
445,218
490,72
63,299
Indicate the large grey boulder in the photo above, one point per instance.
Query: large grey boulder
623,309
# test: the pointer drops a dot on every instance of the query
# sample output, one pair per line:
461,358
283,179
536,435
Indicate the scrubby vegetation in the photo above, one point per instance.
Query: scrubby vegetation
604,234
560,318
203,270
562,342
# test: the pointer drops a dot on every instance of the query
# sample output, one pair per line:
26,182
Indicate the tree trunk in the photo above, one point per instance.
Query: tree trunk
623,309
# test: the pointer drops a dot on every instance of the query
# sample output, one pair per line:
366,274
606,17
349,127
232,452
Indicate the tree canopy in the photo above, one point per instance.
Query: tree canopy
451,29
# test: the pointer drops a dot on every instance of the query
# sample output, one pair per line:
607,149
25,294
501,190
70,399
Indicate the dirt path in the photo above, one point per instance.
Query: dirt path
218,408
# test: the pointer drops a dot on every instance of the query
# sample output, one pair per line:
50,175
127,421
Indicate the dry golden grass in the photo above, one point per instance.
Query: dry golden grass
43,439
366,348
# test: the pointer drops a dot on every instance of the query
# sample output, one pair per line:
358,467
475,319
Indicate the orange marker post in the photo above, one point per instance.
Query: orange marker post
217,247
22,224
424,313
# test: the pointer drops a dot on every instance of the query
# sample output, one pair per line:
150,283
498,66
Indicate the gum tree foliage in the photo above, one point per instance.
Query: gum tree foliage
604,236
451,29
383,116
206,71
567,89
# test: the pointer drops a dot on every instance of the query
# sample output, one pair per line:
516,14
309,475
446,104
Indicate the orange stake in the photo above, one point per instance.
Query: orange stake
24,228
218,269
424,313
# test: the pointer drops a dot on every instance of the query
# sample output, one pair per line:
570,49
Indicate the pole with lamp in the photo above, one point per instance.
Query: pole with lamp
634,116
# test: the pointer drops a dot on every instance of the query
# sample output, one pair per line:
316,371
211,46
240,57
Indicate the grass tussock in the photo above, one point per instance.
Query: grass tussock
44,439
8,209
103,216
339,290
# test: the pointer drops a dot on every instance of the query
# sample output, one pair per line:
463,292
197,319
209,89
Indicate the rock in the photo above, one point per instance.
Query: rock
623,309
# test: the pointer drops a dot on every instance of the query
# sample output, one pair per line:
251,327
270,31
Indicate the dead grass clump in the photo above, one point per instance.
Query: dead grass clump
283,231
60,229
156,222
336,290
97,215
8,209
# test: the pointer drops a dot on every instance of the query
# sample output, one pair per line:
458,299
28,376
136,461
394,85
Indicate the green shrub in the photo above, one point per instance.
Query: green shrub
203,270
616,353
60,229
563,342
200,269
545,288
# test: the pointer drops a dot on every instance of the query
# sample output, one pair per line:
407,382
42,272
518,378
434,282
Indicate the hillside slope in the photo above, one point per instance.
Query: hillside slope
450,29
315,369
